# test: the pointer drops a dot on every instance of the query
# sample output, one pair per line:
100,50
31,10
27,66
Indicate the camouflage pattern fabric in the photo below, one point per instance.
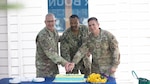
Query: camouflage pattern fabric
70,44
104,50
47,56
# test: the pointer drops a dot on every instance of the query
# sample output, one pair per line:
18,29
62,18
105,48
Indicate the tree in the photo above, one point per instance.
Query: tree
4,5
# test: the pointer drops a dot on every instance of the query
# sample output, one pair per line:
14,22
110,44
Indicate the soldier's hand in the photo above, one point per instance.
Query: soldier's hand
113,70
66,66
69,66
88,54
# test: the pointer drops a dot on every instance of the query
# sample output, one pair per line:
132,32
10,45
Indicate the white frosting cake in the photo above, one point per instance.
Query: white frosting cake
69,78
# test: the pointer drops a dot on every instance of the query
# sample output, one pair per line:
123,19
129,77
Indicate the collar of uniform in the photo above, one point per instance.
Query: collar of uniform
49,30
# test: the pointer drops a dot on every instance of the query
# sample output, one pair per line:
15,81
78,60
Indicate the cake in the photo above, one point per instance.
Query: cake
65,78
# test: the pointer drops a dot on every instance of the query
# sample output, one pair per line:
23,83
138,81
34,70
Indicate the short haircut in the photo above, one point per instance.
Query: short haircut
92,18
50,14
74,16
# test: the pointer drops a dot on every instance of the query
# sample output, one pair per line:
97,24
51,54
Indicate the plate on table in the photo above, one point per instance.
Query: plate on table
38,79
14,81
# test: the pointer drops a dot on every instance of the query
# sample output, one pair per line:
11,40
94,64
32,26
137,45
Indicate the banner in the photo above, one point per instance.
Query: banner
63,9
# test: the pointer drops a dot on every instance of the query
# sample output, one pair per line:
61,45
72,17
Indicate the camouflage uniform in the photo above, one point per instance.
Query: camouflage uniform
47,56
70,44
104,50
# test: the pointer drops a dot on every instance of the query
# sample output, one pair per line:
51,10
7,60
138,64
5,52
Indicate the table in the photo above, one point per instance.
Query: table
49,81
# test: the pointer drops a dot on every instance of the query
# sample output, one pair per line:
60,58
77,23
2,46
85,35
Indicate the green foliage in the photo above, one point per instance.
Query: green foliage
5,6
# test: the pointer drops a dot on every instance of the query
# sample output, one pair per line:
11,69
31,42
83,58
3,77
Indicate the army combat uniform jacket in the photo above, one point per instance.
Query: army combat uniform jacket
47,56
104,50
70,44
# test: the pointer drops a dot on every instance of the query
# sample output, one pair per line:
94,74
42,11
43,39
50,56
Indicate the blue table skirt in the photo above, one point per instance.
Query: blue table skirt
49,81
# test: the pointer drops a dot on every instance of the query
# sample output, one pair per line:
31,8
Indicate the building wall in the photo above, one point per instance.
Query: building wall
128,20
23,26
3,43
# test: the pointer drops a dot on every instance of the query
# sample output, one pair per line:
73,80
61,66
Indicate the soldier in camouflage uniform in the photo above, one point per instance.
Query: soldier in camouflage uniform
47,56
104,49
71,41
